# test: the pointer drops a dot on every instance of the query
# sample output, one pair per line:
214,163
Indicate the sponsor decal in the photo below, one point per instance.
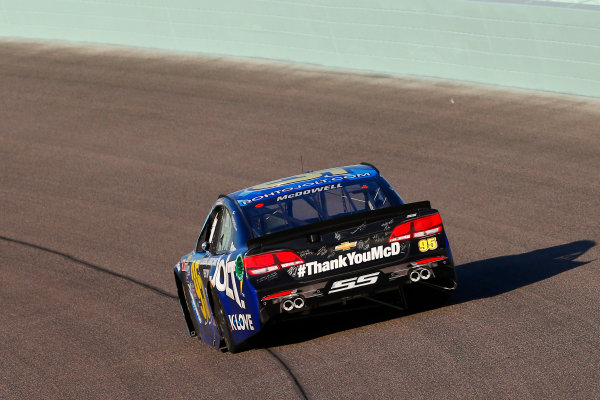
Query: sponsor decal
199,286
241,322
309,191
347,260
224,280
300,188
345,246
300,178
185,263
351,283
239,267
239,271
337,235
191,287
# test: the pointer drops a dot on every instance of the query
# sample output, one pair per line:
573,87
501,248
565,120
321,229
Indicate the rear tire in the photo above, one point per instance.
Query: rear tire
223,325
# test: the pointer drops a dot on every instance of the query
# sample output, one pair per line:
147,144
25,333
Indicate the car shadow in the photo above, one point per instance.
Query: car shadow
494,276
476,280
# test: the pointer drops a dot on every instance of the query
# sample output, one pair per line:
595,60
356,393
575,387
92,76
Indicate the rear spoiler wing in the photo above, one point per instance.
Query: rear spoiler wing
345,221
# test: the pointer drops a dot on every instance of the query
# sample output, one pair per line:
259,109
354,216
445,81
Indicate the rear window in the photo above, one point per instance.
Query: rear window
316,204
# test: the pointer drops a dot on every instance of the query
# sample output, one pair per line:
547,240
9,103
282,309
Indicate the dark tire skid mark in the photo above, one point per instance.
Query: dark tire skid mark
152,288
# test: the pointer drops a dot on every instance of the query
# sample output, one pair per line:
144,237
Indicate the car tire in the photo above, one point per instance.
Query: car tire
223,325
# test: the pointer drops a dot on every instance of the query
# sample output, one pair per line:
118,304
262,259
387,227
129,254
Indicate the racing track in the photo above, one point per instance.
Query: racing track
110,159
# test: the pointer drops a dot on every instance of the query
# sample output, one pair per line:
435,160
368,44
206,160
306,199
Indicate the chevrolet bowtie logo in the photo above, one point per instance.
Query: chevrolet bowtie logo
345,246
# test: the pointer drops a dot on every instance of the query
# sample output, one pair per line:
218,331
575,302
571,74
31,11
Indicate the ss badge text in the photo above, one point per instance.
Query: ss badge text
350,283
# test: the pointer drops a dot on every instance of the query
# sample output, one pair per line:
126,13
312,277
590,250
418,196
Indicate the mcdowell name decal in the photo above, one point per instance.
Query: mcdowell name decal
309,191
301,186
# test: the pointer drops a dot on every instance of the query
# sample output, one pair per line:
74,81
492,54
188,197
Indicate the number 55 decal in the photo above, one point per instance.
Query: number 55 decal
350,283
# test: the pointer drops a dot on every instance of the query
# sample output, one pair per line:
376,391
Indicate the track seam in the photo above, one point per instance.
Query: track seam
155,289
290,373
92,266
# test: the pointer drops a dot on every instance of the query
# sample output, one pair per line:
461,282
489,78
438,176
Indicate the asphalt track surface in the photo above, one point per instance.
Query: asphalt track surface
110,159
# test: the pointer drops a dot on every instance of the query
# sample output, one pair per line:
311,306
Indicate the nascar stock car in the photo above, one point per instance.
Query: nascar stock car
298,243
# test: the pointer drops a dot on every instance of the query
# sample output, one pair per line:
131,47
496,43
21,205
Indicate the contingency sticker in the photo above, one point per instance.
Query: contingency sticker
199,286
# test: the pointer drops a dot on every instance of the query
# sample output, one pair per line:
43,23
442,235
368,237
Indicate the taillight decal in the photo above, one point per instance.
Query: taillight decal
268,262
427,222
419,228
291,264
288,259
264,270
401,232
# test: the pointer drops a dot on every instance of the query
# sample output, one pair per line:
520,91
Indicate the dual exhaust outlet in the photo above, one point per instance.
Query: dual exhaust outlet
297,302
290,304
418,274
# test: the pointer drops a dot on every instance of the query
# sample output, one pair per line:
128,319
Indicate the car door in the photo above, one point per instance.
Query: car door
200,262
229,280
226,269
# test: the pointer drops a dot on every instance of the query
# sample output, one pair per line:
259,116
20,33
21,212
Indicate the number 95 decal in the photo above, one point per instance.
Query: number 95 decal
351,283
428,244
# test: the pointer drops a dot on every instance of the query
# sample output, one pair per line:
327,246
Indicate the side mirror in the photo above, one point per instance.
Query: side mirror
205,246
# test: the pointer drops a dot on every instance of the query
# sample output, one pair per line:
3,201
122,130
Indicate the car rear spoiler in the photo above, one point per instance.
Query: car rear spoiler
345,221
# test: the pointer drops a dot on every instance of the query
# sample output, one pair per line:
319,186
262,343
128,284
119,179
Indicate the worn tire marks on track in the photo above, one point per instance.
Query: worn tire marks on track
301,391
92,266
154,289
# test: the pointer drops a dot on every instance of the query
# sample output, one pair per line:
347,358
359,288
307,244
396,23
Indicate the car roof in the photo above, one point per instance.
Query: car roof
307,180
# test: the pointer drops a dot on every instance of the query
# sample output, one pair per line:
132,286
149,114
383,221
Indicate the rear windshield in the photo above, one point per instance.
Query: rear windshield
316,204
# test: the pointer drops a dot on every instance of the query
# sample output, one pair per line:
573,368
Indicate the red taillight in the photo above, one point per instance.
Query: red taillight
268,262
427,222
401,232
421,227
289,259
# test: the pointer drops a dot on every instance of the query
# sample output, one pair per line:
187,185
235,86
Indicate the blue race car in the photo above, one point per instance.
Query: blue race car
297,243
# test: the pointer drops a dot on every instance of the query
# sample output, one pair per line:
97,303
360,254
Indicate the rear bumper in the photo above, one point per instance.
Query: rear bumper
437,272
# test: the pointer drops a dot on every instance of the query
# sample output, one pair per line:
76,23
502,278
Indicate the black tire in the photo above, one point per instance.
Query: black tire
223,325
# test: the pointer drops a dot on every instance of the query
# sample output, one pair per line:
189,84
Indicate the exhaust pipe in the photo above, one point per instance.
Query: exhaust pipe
414,275
298,302
288,305
294,302
424,274
418,274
